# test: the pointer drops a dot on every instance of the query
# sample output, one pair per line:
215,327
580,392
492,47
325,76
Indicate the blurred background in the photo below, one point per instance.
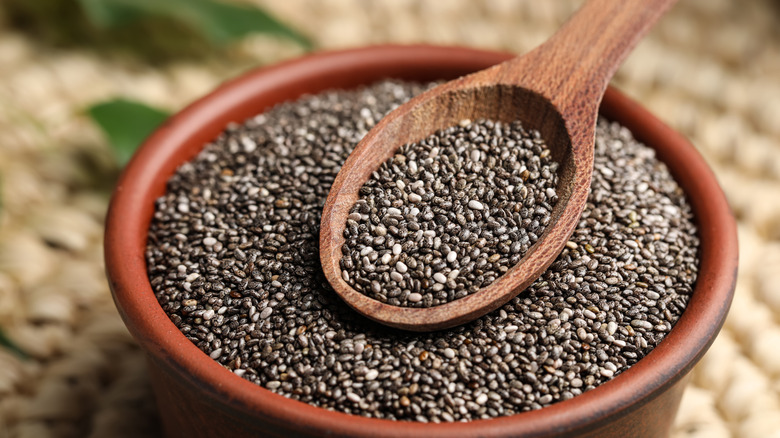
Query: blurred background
82,81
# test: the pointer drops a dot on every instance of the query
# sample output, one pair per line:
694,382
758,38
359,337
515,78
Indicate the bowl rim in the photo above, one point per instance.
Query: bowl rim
143,180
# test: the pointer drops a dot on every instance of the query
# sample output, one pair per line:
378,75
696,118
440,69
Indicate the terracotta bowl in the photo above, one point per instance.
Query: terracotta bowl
197,397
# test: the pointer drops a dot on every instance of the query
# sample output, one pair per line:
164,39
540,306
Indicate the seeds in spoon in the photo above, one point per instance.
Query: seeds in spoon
464,205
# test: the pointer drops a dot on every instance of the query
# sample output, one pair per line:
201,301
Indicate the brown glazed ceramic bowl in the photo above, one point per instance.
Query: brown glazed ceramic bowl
197,397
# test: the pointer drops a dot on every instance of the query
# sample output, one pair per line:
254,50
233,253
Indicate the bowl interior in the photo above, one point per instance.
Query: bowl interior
183,136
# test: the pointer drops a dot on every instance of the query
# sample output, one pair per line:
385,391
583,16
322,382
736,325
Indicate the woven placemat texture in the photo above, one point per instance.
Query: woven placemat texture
710,69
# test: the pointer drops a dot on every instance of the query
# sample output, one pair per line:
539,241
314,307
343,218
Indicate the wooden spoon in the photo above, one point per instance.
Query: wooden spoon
556,89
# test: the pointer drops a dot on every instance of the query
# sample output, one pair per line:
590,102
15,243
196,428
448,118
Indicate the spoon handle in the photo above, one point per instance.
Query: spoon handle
576,64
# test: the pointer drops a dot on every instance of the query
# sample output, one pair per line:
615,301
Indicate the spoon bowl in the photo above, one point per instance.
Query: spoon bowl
498,102
555,89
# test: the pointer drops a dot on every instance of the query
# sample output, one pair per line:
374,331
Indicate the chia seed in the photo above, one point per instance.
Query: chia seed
260,306
466,204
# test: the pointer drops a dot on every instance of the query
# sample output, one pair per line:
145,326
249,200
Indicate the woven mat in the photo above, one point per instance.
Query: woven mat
711,69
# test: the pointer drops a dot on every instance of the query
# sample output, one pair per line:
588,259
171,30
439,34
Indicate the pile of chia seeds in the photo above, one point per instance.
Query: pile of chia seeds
448,215
233,259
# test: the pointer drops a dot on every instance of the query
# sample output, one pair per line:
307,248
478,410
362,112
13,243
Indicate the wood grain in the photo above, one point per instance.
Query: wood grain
556,89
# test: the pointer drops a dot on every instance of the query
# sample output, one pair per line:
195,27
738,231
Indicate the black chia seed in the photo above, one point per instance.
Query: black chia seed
448,215
232,257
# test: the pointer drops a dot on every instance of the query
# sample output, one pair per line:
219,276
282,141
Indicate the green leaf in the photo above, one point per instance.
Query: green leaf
7,343
126,124
103,14
220,22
